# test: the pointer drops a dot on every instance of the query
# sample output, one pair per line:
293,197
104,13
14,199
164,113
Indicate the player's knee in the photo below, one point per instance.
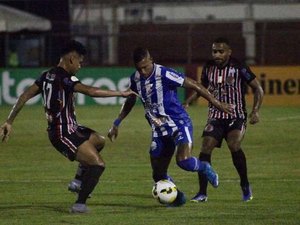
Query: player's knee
99,142
234,146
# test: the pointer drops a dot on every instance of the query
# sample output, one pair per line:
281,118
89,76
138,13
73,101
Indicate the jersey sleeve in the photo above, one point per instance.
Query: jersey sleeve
39,81
69,82
132,84
174,78
247,74
204,77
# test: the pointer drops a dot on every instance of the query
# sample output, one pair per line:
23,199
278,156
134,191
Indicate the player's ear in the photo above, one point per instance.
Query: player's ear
71,59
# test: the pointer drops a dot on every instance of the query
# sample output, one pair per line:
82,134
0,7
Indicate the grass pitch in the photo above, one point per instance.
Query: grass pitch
34,176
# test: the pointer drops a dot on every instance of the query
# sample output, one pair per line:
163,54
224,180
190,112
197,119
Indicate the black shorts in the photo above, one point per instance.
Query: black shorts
219,128
67,142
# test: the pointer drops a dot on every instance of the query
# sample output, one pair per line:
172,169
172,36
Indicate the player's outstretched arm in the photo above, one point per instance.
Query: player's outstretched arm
97,92
125,110
202,91
6,128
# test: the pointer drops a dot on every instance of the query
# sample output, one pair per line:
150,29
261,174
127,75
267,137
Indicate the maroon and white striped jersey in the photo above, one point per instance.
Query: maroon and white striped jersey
57,89
227,84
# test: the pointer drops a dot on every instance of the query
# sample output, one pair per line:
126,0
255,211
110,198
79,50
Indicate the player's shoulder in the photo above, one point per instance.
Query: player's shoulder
164,70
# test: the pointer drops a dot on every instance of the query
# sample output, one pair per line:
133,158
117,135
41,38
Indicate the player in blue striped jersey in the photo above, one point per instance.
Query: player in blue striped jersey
57,87
172,128
227,78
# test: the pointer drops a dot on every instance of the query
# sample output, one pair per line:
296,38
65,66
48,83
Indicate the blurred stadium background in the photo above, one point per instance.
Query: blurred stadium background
178,32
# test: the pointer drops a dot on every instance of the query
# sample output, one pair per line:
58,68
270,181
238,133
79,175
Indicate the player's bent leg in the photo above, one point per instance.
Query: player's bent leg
189,163
97,140
159,172
88,155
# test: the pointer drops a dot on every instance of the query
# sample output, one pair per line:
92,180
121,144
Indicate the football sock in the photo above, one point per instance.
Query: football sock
239,161
157,177
80,172
191,164
203,182
89,182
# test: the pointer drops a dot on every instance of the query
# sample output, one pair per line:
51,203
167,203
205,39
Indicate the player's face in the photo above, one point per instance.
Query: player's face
75,62
221,53
145,66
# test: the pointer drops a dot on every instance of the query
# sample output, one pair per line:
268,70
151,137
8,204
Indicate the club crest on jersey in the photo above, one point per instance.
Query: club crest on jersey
50,76
230,80
209,128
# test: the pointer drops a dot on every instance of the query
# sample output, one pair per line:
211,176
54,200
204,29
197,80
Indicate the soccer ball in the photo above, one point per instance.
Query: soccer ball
164,191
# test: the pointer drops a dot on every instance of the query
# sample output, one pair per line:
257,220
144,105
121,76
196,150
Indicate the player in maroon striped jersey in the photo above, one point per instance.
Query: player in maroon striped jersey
227,79
57,87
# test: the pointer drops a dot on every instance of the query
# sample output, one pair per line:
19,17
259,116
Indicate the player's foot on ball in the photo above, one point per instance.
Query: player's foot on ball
79,208
211,175
179,201
247,193
199,198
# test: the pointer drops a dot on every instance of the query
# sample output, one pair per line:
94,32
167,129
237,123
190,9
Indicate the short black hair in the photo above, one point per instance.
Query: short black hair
222,40
139,54
73,46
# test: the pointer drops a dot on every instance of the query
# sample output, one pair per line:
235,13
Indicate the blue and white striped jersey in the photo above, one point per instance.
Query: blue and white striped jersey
158,93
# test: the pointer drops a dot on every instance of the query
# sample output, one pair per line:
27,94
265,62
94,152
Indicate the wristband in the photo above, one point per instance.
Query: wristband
117,122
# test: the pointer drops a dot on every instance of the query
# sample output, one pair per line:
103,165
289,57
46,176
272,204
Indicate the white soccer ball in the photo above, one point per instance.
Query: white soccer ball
164,191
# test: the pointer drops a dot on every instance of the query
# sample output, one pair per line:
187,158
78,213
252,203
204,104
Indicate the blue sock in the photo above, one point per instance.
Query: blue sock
191,164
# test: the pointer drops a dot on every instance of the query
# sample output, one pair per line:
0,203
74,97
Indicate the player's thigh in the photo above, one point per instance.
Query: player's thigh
234,139
209,143
88,155
235,134
97,140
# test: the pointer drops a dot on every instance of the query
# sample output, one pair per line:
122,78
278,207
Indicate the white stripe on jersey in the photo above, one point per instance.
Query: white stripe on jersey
175,77
188,134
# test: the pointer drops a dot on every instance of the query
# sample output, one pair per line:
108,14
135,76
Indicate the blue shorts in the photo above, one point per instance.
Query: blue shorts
165,146
67,143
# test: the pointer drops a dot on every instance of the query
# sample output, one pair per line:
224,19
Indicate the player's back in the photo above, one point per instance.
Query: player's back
56,87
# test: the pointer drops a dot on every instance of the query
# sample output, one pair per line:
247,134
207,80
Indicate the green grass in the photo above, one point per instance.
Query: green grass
34,177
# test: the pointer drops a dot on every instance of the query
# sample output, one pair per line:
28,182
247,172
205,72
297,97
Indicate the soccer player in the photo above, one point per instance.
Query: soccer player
171,126
227,79
76,142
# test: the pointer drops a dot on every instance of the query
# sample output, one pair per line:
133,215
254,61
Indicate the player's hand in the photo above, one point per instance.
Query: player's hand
113,133
227,108
128,93
5,130
185,105
254,117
